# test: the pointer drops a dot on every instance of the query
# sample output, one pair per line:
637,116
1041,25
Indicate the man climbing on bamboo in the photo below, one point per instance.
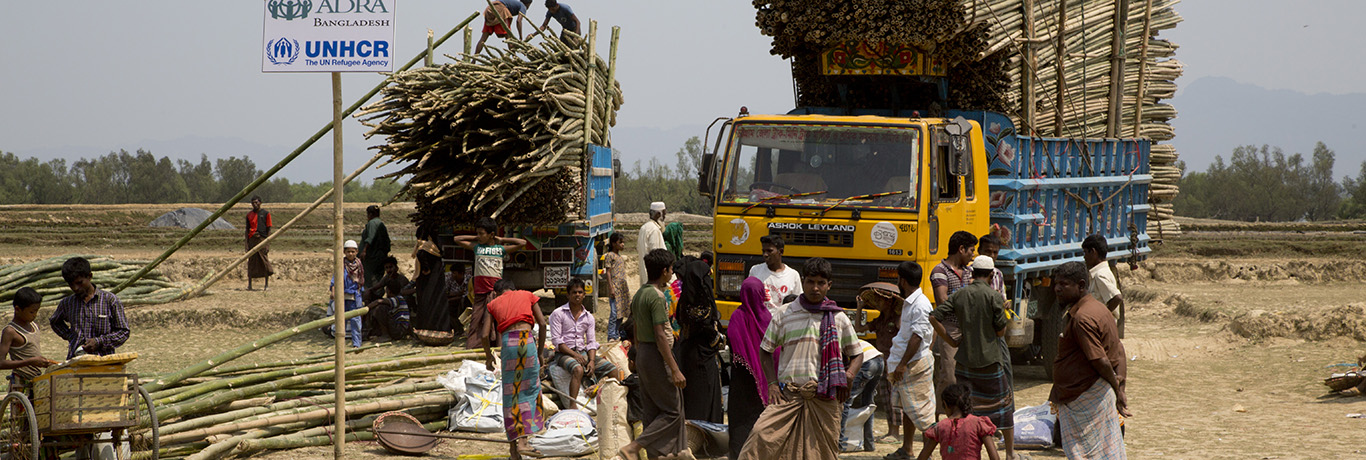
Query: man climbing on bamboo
499,16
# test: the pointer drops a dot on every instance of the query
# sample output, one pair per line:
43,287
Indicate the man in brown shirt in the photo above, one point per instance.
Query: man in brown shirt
1089,373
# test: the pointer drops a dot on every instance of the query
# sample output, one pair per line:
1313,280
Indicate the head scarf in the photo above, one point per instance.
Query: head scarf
746,331
354,270
673,239
832,374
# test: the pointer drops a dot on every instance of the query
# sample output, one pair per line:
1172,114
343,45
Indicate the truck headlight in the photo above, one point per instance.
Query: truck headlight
731,283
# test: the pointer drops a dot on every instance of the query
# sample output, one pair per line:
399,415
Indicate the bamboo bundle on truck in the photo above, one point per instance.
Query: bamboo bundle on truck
500,134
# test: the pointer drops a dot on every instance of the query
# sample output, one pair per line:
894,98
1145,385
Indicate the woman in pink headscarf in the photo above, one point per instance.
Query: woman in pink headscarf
747,382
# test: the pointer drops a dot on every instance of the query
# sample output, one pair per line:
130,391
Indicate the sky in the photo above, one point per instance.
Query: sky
82,78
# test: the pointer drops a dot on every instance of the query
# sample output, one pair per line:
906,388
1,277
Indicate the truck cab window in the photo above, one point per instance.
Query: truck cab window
946,184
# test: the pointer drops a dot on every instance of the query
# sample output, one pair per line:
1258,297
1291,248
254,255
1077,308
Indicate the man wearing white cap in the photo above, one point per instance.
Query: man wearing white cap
980,361
651,237
353,285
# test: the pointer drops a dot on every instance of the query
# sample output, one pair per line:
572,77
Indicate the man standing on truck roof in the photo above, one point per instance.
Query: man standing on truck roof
947,278
1102,285
780,280
562,14
498,16
651,237
1089,373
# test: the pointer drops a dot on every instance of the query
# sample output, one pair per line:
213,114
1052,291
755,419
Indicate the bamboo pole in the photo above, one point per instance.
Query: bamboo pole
271,172
250,379
443,398
1142,67
217,276
589,112
428,60
469,38
292,442
219,449
1030,62
1117,69
1058,58
166,381
338,269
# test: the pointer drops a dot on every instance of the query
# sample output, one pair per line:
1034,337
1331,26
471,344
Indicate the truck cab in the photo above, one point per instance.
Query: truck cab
865,192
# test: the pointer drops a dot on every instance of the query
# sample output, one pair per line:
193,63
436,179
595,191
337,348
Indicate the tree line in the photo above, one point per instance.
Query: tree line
140,177
675,185
1265,184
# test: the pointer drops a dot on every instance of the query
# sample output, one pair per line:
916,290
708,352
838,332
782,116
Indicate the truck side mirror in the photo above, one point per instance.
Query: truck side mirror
958,142
705,182
616,168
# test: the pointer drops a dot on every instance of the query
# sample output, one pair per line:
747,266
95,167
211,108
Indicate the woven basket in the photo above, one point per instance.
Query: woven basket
434,338
414,440
1343,382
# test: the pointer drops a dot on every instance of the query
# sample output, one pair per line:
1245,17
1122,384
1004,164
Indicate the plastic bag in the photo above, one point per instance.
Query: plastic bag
1035,427
853,427
479,404
569,433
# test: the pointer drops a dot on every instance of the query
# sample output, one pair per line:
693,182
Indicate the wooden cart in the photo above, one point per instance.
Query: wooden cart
73,403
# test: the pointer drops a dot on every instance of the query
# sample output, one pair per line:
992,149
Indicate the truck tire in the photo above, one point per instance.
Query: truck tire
1049,326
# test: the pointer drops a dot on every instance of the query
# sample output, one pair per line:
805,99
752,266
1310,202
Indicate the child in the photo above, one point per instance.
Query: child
513,313
962,434
91,320
353,289
19,348
660,378
618,293
457,294
573,334
489,251
810,379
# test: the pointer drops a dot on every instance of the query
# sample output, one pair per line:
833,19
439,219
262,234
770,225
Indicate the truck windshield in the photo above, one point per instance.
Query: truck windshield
823,165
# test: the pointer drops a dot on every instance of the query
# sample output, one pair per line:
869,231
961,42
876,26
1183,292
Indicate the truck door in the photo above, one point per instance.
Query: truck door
946,195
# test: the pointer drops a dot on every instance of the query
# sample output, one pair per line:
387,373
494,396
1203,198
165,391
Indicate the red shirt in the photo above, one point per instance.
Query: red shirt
513,307
961,438
252,219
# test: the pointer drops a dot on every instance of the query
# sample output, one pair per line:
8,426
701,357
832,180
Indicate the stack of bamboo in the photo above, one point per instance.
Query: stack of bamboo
209,411
46,277
987,45
1149,76
500,135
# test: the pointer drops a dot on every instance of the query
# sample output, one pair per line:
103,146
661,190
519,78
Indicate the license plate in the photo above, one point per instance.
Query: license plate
556,276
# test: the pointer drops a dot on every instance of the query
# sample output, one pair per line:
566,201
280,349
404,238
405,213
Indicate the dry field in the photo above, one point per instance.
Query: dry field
1230,332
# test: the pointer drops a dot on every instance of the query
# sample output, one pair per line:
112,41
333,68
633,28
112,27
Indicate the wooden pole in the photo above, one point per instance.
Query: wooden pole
1027,76
469,39
1143,70
273,169
338,272
588,89
1117,69
428,59
1062,80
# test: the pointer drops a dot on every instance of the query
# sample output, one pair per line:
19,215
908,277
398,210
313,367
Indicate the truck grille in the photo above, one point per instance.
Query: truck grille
816,238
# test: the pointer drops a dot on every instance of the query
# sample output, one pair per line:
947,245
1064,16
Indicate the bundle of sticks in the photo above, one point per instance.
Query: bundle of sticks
210,410
984,43
500,134
45,276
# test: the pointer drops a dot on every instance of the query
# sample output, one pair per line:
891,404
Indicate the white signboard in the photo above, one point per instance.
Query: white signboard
328,36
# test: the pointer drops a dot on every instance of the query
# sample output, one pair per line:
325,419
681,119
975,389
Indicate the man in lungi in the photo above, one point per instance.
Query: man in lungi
661,380
947,278
980,361
258,228
498,17
1089,372
911,365
810,380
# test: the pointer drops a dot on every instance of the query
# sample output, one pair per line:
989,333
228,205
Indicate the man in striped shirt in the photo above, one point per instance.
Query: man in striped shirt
90,319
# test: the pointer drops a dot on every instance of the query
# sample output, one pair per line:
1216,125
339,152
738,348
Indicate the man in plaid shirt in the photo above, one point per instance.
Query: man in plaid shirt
90,318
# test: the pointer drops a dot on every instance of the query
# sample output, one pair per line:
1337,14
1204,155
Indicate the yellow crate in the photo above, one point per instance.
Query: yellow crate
83,398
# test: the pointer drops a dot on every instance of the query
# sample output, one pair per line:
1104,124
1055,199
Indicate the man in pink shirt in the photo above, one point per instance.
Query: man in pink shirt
574,335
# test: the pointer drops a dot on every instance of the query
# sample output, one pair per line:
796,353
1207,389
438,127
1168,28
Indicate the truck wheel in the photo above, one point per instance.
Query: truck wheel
1049,327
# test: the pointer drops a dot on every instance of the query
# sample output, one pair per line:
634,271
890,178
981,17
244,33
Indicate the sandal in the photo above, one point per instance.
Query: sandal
888,439
897,454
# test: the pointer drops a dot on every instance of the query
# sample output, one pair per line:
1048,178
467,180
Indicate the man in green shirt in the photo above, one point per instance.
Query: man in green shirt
665,434
374,246
981,364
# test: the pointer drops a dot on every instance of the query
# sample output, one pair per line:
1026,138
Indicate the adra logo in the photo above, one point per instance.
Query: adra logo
352,6
289,10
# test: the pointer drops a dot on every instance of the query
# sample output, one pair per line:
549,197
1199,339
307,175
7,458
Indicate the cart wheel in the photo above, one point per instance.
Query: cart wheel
21,426
150,441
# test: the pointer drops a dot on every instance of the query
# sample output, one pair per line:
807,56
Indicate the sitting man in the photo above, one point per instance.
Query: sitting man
389,315
573,333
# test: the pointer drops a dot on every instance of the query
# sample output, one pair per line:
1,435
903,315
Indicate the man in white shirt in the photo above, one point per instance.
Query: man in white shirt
780,280
1103,285
651,237
910,366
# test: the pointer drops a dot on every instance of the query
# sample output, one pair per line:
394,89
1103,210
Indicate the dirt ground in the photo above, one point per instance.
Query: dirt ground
1229,344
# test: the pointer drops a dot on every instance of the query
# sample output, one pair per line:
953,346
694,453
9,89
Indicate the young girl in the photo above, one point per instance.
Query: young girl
618,293
962,433
514,314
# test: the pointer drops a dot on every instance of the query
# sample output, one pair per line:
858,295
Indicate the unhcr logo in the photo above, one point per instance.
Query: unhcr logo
282,51
289,10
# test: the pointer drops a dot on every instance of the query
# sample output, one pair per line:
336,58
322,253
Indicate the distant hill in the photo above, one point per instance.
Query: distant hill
1217,114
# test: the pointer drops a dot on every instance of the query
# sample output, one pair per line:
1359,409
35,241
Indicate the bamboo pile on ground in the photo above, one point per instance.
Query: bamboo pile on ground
500,134
45,276
210,410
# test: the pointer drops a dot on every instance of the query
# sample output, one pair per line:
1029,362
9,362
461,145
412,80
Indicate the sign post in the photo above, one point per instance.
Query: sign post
332,36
